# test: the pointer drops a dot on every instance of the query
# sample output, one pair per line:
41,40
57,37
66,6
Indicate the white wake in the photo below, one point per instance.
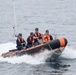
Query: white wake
36,59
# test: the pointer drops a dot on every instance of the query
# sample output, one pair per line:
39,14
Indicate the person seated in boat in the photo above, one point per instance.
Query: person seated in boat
37,36
20,42
30,40
46,37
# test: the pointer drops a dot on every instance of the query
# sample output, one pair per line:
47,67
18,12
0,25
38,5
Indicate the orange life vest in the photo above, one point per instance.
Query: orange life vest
37,34
21,40
46,38
31,38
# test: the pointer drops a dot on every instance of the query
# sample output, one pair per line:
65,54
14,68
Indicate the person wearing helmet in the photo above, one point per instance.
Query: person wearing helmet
46,37
20,42
37,36
30,40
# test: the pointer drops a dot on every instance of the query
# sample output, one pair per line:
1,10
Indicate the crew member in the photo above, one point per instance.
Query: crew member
30,40
37,36
47,37
20,42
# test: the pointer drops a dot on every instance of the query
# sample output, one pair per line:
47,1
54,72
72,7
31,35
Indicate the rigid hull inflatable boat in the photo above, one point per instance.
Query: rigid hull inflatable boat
56,46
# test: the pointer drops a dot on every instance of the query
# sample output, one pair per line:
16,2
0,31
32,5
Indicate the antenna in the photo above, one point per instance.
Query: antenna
55,36
15,20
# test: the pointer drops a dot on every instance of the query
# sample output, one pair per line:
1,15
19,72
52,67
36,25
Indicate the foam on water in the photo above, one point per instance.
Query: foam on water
36,59
23,59
6,47
69,53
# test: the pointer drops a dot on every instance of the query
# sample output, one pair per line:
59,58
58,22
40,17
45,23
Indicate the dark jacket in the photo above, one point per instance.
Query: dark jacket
19,43
51,38
36,35
30,41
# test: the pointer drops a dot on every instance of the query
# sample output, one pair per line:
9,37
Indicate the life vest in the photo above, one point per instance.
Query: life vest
31,39
46,38
37,34
21,41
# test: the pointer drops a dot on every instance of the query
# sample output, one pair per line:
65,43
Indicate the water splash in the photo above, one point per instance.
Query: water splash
6,47
23,59
69,53
36,59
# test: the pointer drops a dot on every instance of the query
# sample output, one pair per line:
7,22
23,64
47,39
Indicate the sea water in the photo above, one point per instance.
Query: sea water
58,16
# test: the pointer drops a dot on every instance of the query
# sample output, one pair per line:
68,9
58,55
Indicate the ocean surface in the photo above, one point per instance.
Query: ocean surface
58,16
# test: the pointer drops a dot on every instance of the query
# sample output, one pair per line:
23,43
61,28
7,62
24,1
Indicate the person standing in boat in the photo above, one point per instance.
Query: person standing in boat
37,36
46,37
20,42
30,40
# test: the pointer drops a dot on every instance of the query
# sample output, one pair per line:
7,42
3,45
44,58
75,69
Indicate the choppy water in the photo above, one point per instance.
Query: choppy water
59,16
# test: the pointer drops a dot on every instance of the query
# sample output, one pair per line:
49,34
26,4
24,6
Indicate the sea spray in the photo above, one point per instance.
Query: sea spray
6,47
36,59
23,59
68,53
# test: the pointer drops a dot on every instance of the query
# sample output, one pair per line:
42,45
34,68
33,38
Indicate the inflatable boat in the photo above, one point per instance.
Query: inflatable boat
55,46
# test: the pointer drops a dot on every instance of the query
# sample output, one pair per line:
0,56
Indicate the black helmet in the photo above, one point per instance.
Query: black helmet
31,33
19,34
36,29
47,31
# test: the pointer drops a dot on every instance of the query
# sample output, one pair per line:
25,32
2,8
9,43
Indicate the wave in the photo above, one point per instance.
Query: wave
68,53
23,59
6,47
